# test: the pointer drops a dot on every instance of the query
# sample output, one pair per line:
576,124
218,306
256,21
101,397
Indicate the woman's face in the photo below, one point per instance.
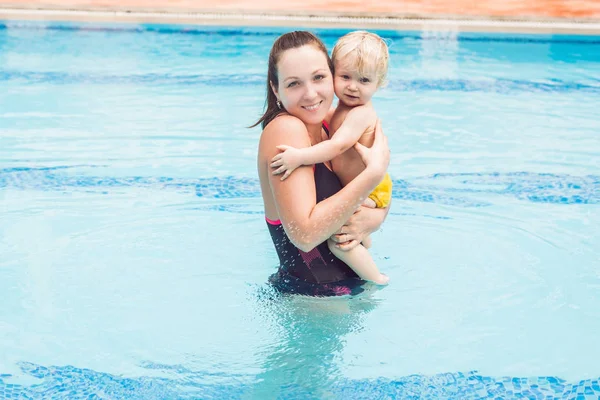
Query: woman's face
305,84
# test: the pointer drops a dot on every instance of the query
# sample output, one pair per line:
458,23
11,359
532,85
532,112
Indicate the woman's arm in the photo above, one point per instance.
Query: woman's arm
306,222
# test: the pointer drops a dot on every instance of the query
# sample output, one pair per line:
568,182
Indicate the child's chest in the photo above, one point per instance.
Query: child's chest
366,138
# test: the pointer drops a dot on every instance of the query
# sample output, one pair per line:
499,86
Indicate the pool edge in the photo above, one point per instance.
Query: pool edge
305,19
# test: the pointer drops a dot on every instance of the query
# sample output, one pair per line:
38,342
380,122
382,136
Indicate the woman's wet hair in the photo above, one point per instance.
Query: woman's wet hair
287,41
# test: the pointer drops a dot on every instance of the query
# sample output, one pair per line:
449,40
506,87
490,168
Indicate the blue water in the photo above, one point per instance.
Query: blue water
134,252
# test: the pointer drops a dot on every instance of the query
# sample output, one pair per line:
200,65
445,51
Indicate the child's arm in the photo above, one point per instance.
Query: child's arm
354,125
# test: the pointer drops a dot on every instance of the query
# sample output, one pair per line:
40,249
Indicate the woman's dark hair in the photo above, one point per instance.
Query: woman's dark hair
287,41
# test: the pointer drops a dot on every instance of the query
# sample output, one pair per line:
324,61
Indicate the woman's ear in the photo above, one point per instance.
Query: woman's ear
274,89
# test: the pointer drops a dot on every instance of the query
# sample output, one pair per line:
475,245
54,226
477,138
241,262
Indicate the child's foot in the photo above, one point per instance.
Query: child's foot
382,280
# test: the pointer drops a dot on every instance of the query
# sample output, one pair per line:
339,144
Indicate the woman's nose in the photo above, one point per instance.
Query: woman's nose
311,91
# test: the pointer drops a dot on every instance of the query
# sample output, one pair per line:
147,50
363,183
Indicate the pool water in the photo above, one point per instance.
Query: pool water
135,254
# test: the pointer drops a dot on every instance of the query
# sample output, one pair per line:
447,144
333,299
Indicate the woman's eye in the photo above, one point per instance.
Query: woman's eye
291,84
319,77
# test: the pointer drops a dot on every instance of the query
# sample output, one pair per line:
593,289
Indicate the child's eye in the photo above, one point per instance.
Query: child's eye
345,77
365,80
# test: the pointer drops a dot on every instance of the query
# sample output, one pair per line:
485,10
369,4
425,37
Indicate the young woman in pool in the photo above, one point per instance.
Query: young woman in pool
360,60
311,206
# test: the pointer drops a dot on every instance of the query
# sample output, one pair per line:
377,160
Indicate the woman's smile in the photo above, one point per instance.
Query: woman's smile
313,107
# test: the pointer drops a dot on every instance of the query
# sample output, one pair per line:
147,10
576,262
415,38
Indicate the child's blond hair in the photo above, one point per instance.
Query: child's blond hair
368,51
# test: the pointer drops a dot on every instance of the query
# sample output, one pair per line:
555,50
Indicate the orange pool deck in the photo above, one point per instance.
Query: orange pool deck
512,15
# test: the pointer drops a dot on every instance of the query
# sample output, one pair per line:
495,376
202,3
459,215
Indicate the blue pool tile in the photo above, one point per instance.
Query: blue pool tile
588,390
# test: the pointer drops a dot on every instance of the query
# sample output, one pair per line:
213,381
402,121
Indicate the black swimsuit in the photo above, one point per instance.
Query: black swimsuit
318,272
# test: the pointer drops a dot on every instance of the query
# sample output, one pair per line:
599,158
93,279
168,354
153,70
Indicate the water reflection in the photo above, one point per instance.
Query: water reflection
306,354
438,53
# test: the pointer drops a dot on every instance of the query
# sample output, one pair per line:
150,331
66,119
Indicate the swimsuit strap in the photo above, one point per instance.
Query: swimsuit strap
326,127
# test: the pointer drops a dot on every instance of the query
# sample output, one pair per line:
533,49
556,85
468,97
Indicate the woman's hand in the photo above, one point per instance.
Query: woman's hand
376,158
363,222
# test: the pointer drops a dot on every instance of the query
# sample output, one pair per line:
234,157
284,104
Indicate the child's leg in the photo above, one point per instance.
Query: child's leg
367,240
361,262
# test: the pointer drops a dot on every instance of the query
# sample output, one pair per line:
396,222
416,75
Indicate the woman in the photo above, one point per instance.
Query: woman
311,206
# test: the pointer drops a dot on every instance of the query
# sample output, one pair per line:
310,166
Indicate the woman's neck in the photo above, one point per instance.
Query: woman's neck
314,132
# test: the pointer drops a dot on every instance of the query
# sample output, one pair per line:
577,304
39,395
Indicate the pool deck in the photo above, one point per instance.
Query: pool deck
537,16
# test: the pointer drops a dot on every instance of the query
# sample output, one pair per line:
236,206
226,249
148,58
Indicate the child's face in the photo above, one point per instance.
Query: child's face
351,87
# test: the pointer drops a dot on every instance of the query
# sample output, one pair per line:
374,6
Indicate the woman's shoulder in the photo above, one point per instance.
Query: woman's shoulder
285,128
287,122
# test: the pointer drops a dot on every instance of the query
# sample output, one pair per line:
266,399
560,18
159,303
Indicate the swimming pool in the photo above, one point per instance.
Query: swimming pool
135,252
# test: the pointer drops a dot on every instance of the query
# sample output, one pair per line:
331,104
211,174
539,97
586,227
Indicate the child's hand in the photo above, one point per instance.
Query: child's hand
369,202
287,161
